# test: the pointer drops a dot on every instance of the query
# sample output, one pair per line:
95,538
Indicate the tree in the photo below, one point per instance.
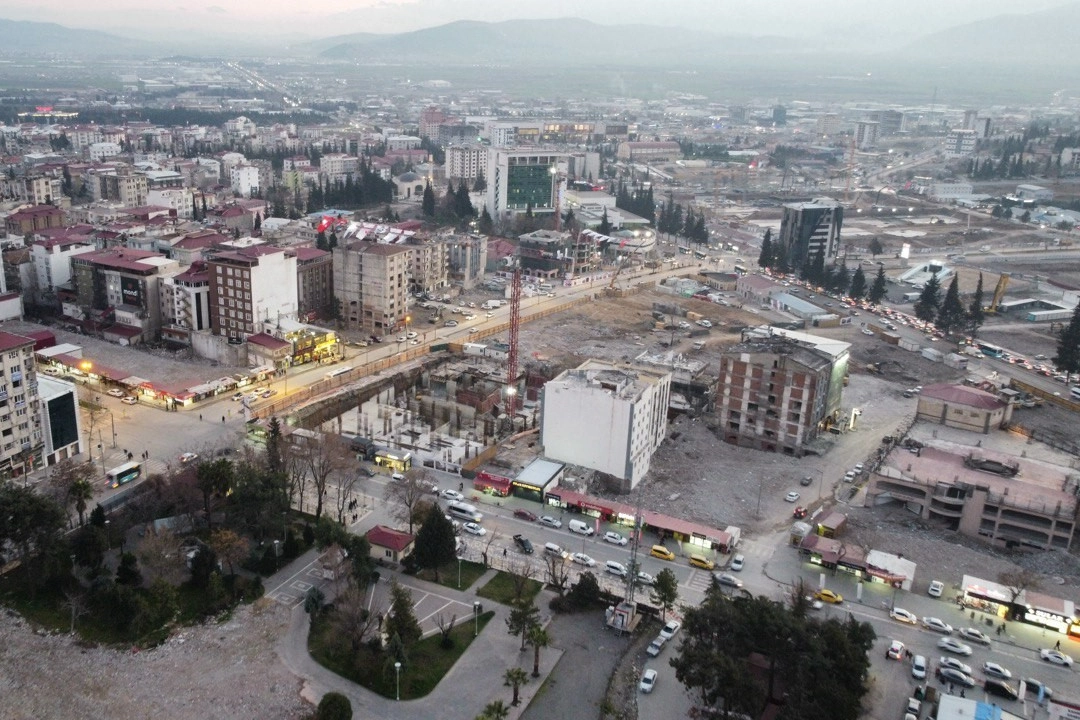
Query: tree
875,247
929,301
605,224
258,222
538,638
951,315
1067,359
435,543
127,573
840,280
557,572
878,289
407,495
514,678
976,314
401,620
480,184
71,485
494,710
325,458
214,479
1017,582
523,615
485,225
334,706
31,529
857,290
363,565
314,601
765,257
275,462
230,547
427,205
353,623
666,590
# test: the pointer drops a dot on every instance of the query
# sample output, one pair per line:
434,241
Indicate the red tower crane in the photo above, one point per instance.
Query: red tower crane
512,357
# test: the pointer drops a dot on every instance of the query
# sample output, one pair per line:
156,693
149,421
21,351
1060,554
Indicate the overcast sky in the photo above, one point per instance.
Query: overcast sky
319,18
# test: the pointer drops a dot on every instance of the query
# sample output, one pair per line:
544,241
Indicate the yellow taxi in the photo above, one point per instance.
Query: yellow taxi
700,561
659,551
827,595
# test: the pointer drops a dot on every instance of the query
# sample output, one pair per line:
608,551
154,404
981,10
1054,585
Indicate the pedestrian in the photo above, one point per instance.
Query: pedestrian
222,418
200,417
1057,645
961,692
504,552
950,688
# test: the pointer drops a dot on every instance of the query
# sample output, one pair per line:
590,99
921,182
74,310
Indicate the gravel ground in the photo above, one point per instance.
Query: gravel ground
228,670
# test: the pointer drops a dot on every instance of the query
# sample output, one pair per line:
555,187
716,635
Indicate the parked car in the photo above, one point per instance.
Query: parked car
659,551
188,457
670,628
904,616
701,562
895,651
1056,657
1033,686
806,481
474,529
791,497
937,625
645,579
450,323
655,646
727,580
949,662
449,494
524,544
129,400
918,667
935,589
737,563
1002,689
954,646
974,635
550,521
615,538
799,513
583,559
523,514
648,681
118,393
957,677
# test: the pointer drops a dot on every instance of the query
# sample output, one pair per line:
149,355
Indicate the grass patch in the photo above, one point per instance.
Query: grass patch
448,574
374,670
503,586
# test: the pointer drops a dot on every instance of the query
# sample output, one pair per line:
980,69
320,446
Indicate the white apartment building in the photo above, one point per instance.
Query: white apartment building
51,260
960,143
610,418
466,162
103,150
179,199
185,303
402,142
250,286
336,166
21,438
244,179
866,134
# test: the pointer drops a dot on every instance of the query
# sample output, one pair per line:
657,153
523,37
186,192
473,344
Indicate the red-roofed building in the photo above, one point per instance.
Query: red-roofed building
266,350
963,407
119,286
51,261
38,217
388,544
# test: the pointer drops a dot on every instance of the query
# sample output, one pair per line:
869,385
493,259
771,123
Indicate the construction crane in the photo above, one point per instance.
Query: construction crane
999,292
512,356
850,171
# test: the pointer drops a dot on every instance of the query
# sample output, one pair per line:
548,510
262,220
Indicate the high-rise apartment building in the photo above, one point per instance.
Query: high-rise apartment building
21,438
371,285
810,228
466,162
250,286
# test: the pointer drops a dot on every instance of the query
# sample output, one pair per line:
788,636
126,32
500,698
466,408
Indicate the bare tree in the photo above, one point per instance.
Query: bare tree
407,495
345,493
159,556
230,547
489,539
324,458
1017,581
75,602
558,572
352,621
445,626
296,475
521,573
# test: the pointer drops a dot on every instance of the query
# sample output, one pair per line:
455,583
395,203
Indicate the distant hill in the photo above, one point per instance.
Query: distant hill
562,42
1043,40
22,36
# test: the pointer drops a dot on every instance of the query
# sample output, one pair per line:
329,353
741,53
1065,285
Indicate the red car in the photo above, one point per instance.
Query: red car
800,513
525,515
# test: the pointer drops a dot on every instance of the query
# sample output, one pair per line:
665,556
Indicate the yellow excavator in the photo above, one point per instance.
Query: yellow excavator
999,293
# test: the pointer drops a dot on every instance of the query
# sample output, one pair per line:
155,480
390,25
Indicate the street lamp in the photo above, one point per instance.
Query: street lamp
476,618
397,678
108,534
458,572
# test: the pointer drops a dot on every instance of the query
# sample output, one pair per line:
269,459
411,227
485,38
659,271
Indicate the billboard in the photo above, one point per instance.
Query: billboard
131,291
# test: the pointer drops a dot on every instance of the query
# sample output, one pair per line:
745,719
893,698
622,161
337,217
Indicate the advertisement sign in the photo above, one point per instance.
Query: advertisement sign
131,291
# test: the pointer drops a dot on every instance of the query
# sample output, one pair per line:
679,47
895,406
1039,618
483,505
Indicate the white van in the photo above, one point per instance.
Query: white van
553,549
580,527
464,510
1075,392
615,568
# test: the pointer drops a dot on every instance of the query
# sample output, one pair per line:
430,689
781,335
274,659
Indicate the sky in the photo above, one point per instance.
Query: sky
885,19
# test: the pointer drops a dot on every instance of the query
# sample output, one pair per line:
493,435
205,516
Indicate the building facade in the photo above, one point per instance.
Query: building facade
251,286
810,228
185,303
21,435
518,180
610,418
466,162
371,285
314,283
61,422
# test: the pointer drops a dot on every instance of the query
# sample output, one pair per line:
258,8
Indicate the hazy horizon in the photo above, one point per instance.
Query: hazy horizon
896,20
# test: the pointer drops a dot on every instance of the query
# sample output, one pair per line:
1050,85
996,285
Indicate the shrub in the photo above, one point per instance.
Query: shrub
334,706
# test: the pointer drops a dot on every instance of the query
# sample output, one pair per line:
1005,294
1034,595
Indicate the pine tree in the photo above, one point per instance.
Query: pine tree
857,290
605,224
926,307
486,224
320,241
976,314
1067,359
427,206
258,222
817,268
765,257
879,288
951,315
841,279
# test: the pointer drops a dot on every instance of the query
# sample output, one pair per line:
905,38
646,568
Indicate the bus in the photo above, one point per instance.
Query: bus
339,371
700,255
464,511
990,350
123,474
740,270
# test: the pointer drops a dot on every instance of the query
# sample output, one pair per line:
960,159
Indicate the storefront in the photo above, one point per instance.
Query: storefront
985,596
492,484
395,461
534,481
1045,611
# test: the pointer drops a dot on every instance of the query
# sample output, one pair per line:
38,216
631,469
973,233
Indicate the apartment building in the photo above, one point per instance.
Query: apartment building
119,183
245,179
810,228
644,151
180,200
960,143
51,260
371,285
34,189
336,166
32,219
61,422
430,120
466,258
866,134
429,267
21,438
117,291
314,283
250,286
466,162
629,402
185,303
776,392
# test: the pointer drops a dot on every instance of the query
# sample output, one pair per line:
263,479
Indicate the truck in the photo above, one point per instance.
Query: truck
490,305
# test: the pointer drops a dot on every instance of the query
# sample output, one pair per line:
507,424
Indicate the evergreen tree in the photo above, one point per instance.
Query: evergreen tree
951,315
841,279
486,224
401,620
435,543
1067,359
701,232
274,449
428,204
332,241
857,289
926,307
258,222
321,242
765,257
817,268
689,223
480,184
879,288
605,224
976,314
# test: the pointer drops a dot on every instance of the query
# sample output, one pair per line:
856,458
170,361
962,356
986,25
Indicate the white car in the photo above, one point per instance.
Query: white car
451,495
1056,657
583,559
670,629
450,323
648,681
948,662
791,497
470,316
644,578
115,392
992,669
614,538
974,635
474,529
411,335
904,616
550,521
937,625
401,338
954,646
188,457
935,589
129,400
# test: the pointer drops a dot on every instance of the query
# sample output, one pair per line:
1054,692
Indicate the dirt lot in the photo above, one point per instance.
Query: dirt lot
230,670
